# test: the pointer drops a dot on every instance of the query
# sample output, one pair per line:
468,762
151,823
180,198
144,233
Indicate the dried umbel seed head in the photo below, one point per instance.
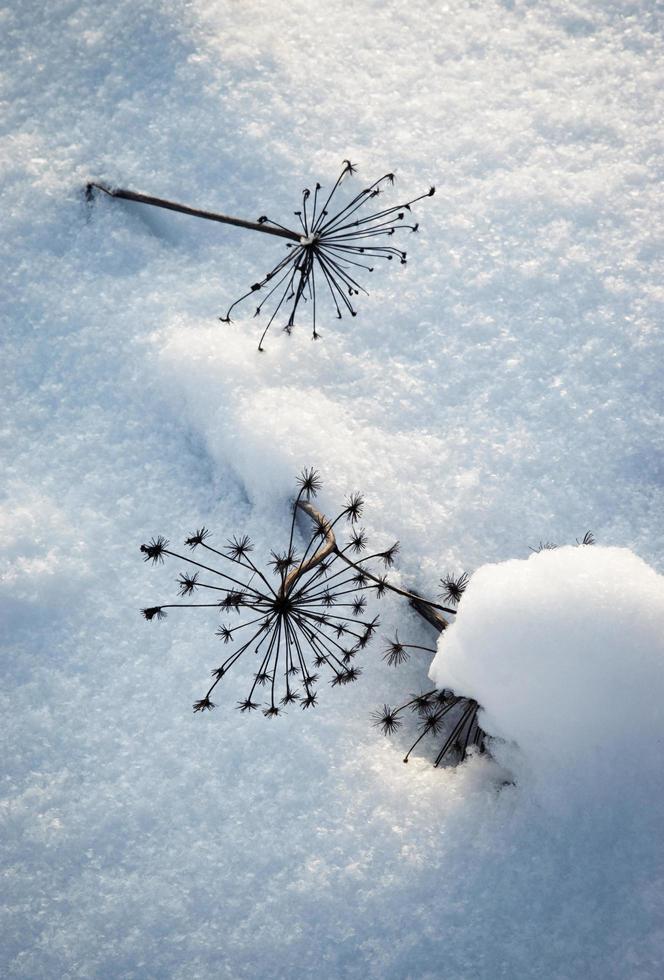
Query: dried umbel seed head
440,714
453,587
309,482
396,653
306,610
335,246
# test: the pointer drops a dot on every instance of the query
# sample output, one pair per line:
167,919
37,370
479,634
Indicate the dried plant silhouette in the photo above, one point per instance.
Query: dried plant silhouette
587,539
332,246
309,615
442,715
304,616
327,254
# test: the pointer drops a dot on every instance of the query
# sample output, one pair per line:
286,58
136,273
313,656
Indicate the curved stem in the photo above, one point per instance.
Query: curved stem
330,545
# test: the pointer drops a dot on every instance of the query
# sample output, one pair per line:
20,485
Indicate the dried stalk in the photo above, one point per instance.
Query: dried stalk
431,611
159,202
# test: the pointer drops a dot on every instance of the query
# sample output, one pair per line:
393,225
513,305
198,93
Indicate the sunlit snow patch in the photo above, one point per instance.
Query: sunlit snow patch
565,651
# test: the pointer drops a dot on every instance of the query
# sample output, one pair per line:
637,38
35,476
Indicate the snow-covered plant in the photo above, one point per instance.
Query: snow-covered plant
445,716
325,253
302,614
441,714
569,676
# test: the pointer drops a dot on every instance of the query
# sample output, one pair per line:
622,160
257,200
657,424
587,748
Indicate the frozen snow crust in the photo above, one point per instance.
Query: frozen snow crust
565,651
502,387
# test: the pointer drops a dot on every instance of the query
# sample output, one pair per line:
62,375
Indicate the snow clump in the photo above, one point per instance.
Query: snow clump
565,652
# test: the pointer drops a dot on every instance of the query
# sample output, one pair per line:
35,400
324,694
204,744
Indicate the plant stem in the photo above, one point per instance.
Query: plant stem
158,202
425,607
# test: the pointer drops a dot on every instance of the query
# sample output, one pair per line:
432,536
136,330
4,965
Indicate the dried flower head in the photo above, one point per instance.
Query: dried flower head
439,713
544,546
390,554
354,507
396,653
155,550
153,611
333,244
310,611
387,720
198,537
310,483
204,705
453,587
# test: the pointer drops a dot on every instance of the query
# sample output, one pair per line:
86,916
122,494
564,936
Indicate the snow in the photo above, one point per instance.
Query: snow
565,653
502,388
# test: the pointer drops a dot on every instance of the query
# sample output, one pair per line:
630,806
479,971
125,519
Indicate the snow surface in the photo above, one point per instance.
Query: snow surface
565,653
504,387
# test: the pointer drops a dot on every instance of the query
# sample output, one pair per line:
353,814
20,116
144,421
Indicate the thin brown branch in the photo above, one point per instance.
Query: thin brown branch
329,545
431,611
159,202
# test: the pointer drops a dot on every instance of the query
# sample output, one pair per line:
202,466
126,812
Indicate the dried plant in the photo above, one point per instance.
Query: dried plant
453,587
397,652
441,715
332,246
307,615
325,252
587,540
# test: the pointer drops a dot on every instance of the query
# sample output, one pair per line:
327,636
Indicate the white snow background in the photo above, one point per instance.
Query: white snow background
501,389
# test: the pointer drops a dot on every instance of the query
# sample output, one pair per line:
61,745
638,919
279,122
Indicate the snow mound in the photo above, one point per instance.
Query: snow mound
565,652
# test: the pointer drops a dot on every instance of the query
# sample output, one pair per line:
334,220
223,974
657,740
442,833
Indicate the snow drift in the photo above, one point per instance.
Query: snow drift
565,651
